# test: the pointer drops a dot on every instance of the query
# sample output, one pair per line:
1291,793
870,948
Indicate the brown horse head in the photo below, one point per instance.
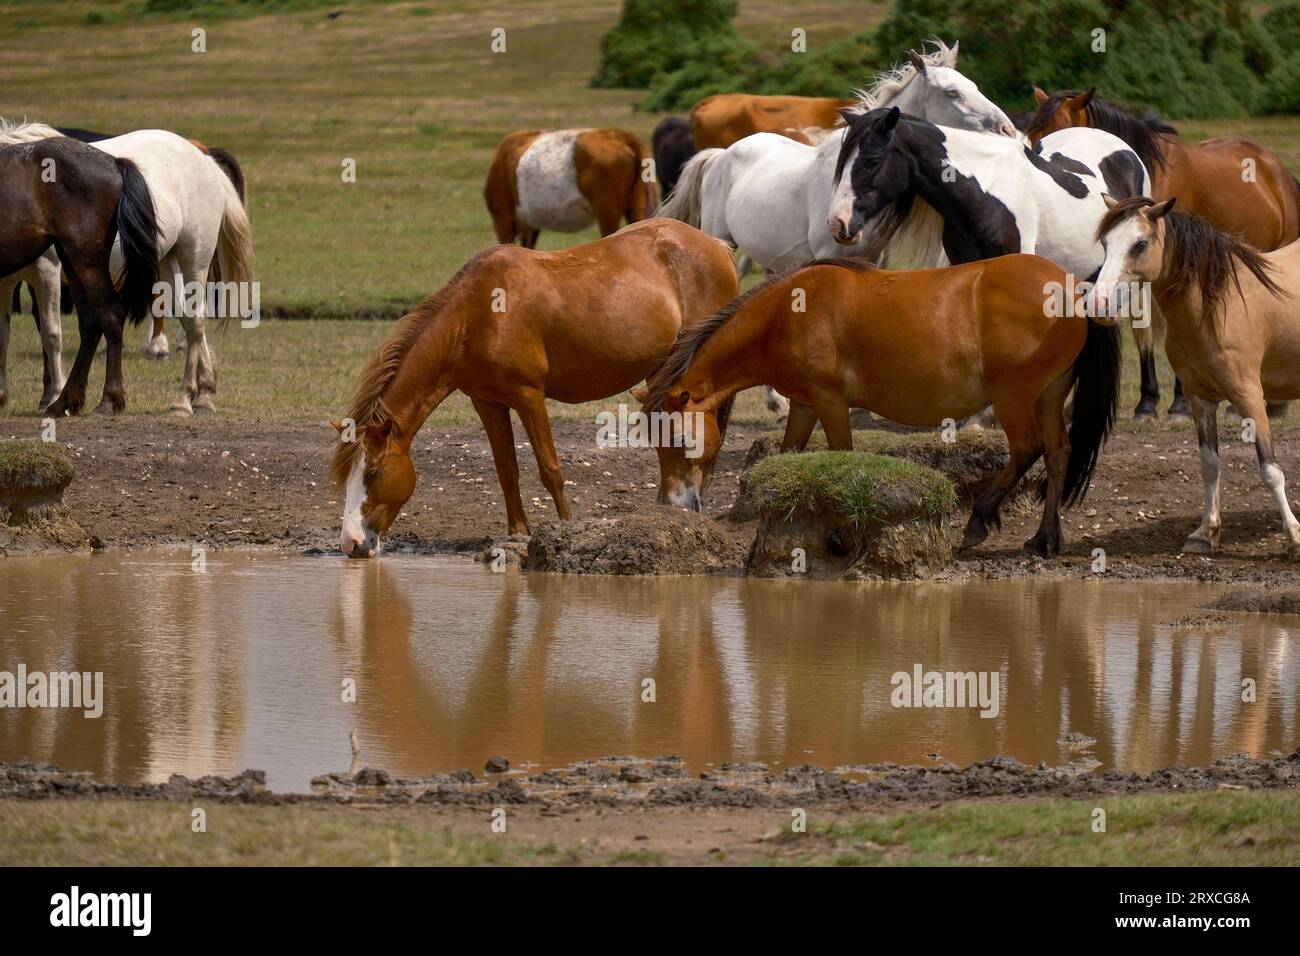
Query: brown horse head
378,477
1057,111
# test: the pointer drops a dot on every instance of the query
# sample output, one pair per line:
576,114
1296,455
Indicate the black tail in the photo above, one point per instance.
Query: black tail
137,227
230,166
1096,398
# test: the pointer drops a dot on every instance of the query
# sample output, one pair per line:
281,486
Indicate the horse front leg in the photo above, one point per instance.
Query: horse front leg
532,412
501,436
5,293
92,298
799,428
1145,340
1206,538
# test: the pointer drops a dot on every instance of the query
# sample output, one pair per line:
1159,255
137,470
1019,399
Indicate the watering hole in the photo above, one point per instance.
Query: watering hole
245,664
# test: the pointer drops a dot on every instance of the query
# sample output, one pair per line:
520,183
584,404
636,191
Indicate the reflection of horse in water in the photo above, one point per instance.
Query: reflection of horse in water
533,672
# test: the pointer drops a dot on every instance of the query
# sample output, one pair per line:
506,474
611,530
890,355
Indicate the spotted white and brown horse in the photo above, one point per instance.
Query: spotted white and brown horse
564,180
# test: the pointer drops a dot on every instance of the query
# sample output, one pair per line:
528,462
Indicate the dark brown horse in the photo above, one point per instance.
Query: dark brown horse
1237,183
63,193
916,347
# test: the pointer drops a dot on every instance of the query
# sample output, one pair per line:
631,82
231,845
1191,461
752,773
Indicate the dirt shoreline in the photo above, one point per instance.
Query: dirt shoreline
160,482
620,783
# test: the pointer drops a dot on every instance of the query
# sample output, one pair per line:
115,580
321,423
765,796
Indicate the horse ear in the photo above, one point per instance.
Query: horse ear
916,60
1110,201
338,425
377,433
1039,96
640,393
891,118
1083,99
849,114
1161,209
952,58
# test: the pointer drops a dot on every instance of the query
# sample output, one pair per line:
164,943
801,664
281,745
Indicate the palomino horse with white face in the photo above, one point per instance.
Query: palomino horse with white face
94,203
1209,178
915,347
1233,317
199,216
565,180
512,329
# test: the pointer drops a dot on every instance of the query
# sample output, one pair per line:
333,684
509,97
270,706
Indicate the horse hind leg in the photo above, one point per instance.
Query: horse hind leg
1050,413
46,293
1253,407
799,428
1024,447
1150,388
5,292
1206,537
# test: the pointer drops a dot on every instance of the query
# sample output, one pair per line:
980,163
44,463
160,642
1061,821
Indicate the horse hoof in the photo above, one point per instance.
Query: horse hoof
1145,410
1037,546
1179,410
106,408
204,409
1197,546
181,411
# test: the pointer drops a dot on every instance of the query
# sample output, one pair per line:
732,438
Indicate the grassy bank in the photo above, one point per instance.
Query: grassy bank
1218,828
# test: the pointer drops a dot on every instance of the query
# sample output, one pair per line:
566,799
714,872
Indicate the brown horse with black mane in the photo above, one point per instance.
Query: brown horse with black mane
1237,183
726,118
512,329
1234,330
564,180
916,347
94,200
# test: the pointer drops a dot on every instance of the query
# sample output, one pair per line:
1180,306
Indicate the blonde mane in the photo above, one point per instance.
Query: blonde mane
888,84
23,131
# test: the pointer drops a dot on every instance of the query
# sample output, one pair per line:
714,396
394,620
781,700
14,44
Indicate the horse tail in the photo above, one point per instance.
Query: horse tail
234,240
137,228
685,200
234,172
1096,398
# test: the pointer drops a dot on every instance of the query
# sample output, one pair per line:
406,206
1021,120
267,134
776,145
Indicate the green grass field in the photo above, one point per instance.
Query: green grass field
411,92
1215,828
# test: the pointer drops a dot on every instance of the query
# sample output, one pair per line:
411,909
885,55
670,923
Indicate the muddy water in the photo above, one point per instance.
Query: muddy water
244,665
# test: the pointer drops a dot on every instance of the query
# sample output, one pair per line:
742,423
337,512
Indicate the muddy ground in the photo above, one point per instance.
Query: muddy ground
148,482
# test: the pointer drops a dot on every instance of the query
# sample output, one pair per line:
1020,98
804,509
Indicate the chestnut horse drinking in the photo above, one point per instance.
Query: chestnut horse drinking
565,180
513,328
916,347
1233,317
1209,178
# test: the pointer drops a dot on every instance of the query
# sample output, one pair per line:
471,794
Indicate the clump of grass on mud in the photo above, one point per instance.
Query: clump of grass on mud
855,484
32,466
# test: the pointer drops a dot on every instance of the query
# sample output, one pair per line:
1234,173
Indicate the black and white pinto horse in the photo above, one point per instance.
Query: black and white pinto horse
979,196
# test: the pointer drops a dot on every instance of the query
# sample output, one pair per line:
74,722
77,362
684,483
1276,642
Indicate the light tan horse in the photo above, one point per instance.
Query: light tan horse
722,119
1237,183
1233,330
564,180
916,347
512,329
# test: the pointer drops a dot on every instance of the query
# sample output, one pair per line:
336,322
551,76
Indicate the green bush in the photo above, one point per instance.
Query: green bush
658,36
1182,57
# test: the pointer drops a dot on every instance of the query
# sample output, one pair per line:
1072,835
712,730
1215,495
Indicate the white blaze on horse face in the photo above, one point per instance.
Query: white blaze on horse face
1115,269
842,203
546,179
354,497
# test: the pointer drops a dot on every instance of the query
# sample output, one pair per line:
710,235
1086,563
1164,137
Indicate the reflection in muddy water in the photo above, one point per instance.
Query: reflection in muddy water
244,666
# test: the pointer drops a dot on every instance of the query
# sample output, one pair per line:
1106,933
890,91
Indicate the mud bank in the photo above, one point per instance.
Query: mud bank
33,516
632,782
154,482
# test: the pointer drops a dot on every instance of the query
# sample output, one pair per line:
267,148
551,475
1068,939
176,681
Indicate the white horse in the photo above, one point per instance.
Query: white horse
770,195
43,276
199,215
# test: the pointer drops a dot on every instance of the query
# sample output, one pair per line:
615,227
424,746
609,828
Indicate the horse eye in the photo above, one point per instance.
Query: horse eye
1139,247
955,94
